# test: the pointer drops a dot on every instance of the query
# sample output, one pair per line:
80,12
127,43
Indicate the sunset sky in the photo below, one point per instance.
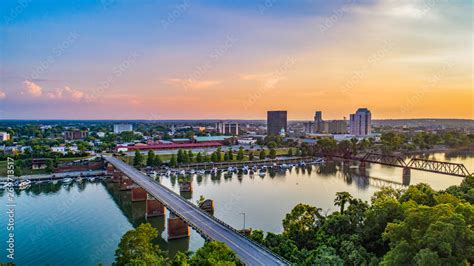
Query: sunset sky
111,59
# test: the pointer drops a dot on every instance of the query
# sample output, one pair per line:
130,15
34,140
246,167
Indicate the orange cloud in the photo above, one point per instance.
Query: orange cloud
32,88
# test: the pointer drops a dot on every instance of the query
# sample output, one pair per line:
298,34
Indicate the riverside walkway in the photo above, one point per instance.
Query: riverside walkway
249,252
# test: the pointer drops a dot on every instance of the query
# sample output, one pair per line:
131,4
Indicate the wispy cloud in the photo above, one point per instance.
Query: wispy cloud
191,84
3,95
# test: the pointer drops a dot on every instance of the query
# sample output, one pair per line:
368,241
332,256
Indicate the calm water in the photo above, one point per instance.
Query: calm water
81,224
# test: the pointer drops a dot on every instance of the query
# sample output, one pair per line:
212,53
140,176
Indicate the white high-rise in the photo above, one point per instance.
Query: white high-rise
361,122
119,128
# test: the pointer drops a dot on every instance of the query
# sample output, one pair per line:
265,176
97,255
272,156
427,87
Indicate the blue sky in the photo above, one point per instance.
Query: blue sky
213,57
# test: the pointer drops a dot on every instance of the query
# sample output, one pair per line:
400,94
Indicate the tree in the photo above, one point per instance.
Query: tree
240,154
272,153
441,234
136,248
251,156
190,156
290,152
49,166
262,154
341,199
218,154
180,259
157,161
138,159
214,253
150,159
199,158
180,156
300,225
173,161
230,155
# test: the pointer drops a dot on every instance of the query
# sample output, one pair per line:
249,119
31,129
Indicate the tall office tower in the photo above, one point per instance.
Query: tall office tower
361,122
276,122
318,116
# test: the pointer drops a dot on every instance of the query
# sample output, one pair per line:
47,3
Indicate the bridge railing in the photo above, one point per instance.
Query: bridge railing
208,215
217,220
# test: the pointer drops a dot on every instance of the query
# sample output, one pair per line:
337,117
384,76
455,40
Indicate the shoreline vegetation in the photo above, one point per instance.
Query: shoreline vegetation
416,226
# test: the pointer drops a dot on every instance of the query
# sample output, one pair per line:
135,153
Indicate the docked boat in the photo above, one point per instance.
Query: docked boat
67,180
24,184
91,179
192,172
79,179
262,174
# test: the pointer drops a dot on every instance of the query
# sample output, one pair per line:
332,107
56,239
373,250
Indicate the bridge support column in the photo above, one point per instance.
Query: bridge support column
117,176
362,167
154,207
406,177
138,194
125,183
177,228
110,169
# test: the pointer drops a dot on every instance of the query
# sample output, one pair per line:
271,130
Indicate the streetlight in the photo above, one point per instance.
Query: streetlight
243,213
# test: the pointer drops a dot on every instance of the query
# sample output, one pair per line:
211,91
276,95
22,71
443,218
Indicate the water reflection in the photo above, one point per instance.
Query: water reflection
135,213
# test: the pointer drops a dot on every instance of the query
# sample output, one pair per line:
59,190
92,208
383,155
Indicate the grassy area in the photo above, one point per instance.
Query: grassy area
166,157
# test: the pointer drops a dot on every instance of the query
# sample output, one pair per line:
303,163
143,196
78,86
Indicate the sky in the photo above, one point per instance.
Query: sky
144,59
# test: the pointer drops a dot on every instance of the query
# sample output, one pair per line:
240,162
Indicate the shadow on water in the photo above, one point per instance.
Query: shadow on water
135,214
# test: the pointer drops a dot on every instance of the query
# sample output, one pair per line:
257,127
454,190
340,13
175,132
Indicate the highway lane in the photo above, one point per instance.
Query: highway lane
247,251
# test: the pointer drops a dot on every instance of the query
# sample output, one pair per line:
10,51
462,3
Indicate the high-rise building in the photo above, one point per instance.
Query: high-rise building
276,122
318,116
361,122
119,128
228,128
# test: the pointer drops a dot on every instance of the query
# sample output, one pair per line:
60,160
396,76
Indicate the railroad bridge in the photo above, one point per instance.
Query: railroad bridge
185,214
439,167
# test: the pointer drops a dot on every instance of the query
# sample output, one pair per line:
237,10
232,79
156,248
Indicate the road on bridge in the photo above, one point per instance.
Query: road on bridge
248,252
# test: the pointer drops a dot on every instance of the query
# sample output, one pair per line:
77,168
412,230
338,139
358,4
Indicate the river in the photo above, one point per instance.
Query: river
81,224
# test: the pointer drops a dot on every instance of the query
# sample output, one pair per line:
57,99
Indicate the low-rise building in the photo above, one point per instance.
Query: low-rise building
4,136
75,134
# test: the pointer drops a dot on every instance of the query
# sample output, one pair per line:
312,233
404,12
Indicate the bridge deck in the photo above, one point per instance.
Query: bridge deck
248,251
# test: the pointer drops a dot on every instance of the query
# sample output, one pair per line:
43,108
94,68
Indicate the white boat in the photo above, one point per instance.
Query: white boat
67,180
182,172
24,184
55,182
302,163
79,179
201,172
262,174
230,169
192,172
284,166
91,179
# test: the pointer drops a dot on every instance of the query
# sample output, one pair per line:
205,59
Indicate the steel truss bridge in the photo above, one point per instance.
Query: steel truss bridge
439,167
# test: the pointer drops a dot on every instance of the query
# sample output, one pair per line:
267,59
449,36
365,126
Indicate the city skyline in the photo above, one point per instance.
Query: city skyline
223,60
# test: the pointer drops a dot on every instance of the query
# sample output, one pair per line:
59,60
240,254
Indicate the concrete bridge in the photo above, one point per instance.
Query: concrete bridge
185,214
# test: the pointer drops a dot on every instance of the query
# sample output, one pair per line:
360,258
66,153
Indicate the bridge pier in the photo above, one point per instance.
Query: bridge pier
125,183
177,228
406,177
110,169
117,176
154,207
138,194
362,168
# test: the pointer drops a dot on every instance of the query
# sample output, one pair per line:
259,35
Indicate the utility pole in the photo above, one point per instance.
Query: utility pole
243,213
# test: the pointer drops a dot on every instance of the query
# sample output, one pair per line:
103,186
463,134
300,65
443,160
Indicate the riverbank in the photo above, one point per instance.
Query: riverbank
56,176
440,150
